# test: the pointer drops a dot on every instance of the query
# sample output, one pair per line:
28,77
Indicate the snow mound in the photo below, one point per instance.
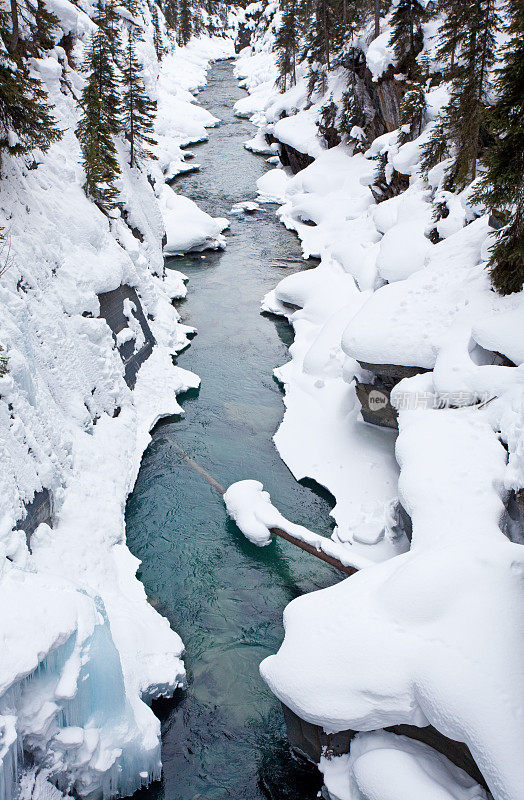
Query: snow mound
187,226
383,765
272,186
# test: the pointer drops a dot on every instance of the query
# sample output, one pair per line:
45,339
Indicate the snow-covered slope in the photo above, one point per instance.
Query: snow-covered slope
83,652
431,630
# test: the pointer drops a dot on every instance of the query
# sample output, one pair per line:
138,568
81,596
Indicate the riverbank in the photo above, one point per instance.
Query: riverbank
87,652
386,304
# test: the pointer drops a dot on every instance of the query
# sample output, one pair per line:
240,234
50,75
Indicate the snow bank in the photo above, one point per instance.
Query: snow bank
180,120
271,186
431,630
385,765
84,652
385,659
300,132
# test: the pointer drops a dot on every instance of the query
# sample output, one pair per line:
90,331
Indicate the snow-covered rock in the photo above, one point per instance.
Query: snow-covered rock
84,653
187,226
430,631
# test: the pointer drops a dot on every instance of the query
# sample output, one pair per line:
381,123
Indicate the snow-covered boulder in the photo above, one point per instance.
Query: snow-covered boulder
187,226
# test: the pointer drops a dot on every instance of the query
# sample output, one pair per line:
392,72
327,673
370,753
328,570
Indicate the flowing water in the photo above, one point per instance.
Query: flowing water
223,736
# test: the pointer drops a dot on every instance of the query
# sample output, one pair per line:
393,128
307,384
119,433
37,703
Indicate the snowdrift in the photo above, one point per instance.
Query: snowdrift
430,631
83,651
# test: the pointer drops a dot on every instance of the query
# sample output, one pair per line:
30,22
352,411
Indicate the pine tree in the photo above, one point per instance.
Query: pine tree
26,121
107,19
502,185
100,120
286,43
100,160
171,14
324,32
139,110
46,25
460,124
412,112
406,36
327,123
133,6
185,22
469,92
99,62
451,33
352,121
157,32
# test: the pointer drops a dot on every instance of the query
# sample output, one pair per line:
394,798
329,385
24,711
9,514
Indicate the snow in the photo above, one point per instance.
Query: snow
430,630
271,186
385,765
416,314
246,207
503,332
84,653
427,660
250,507
300,132
187,226
379,54
180,120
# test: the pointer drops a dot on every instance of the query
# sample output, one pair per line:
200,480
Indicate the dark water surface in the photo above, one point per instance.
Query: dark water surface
223,737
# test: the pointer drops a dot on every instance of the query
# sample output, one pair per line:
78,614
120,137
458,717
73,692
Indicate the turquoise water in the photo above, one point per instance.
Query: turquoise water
224,736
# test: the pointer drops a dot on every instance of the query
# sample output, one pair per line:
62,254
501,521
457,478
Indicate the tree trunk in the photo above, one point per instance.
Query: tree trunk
377,18
484,51
326,32
15,31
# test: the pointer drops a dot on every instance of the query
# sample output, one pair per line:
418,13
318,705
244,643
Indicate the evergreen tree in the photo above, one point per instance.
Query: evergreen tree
322,38
99,63
26,120
171,14
286,43
107,19
139,110
352,121
502,185
100,160
100,120
412,112
185,22
46,25
327,124
157,32
460,125
451,32
406,36
464,112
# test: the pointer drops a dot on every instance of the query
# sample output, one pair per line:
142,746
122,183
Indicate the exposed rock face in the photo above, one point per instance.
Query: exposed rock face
289,156
376,406
243,37
379,100
40,509
375,397
112,310
384,190
513,522
311,741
